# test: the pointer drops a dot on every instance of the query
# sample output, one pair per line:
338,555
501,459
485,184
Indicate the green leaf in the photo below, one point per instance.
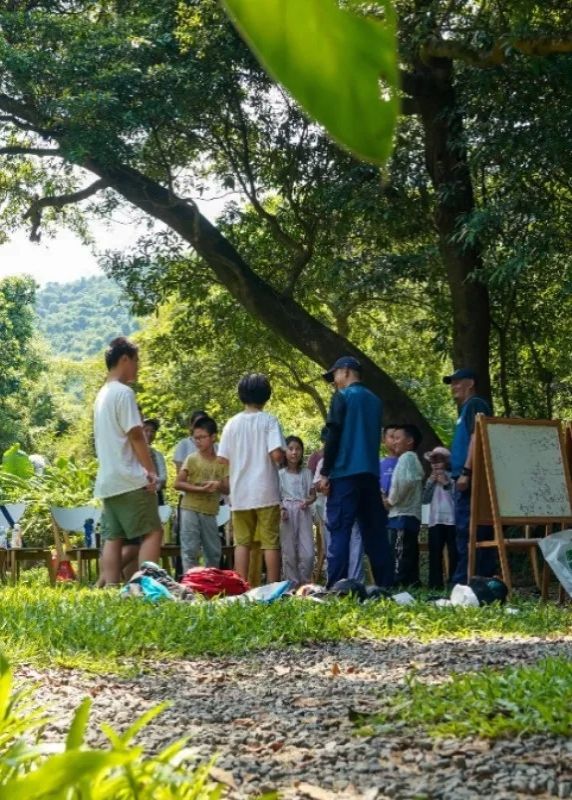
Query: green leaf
142,721
62,772
341,67
78,726
5,686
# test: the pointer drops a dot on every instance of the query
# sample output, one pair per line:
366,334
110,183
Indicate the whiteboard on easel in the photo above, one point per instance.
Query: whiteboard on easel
529,471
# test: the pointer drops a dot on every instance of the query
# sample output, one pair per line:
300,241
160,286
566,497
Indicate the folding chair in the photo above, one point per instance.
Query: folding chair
72,520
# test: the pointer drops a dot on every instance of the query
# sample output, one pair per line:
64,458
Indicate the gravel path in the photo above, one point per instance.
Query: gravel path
282,721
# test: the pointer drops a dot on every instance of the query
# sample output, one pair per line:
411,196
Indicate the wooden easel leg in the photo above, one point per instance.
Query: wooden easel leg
503,557
545,581
472,559
535,567
533,555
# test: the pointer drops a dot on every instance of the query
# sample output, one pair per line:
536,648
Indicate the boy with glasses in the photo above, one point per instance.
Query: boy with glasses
203,479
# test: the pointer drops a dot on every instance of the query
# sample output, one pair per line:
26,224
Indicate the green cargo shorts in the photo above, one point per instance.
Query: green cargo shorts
130,515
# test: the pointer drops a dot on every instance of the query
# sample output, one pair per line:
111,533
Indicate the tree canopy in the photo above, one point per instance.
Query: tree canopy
162,104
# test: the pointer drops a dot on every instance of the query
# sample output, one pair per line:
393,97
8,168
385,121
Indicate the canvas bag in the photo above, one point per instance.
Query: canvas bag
557,551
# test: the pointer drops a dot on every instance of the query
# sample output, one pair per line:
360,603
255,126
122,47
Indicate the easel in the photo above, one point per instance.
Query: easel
486,509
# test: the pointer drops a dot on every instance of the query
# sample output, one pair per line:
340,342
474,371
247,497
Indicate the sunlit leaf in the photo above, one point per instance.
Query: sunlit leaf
340,66
78,726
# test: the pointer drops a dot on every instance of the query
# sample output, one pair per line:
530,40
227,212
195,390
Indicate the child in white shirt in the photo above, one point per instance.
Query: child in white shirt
404,505
252,444
296,529
438,493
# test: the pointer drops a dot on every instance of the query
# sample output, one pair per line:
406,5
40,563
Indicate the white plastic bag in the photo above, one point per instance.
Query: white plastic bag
557,550
464,596
404,599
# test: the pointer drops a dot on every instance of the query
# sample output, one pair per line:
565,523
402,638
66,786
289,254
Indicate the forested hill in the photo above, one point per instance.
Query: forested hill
78,319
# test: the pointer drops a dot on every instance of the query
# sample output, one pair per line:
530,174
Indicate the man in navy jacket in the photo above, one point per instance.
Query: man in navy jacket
350,474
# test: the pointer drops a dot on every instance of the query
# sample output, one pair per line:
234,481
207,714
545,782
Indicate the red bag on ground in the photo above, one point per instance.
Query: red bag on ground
65,572
210,581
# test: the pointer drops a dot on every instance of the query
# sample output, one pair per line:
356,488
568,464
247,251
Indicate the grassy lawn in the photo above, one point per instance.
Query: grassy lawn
96,630
509,702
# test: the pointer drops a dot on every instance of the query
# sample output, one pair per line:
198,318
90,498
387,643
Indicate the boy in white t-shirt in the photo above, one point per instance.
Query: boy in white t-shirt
252,444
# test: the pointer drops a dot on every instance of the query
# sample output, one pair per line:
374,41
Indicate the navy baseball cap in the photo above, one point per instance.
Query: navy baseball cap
345,362
459,374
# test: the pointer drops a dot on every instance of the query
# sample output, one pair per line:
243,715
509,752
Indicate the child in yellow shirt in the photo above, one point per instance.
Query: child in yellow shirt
203,479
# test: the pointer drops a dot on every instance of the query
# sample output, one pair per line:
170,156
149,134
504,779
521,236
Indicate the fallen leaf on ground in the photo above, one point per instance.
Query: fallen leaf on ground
315,792
306,702
222,776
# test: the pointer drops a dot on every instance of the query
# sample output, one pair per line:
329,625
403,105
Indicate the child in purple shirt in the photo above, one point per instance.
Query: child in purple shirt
387,464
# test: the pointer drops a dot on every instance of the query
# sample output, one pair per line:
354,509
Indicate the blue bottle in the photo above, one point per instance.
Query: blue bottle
88,532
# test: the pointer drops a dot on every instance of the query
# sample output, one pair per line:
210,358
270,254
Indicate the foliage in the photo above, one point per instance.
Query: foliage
336,79
514,701
65,483
16,462
102,632
121,771
67,429
79,318
22,361
198,366
186,107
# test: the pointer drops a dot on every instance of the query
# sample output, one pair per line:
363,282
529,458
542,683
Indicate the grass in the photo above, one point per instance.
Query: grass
96,630
514,701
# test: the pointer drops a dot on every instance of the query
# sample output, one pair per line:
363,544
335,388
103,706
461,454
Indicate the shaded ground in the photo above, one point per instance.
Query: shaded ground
283,720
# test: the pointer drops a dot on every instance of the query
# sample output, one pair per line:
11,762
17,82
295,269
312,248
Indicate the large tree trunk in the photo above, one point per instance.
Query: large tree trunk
281,314
447,164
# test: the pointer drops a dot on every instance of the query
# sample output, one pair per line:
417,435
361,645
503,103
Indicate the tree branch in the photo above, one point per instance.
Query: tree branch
499,53
408,82
34,213
304,386
18,150
25,117
409,107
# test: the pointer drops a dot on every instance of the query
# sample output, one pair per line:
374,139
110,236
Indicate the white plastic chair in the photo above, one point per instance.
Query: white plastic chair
223,516
72,520
165,513
16,511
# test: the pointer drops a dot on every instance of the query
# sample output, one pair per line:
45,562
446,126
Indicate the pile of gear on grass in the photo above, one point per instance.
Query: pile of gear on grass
153,583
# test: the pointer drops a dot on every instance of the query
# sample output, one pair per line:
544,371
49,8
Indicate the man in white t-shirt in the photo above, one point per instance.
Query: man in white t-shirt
252,444
126,479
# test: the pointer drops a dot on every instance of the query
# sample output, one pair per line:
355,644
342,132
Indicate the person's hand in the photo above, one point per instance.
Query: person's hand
324,485
211,486
463,482
442,477
386,502
283,515
152,483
